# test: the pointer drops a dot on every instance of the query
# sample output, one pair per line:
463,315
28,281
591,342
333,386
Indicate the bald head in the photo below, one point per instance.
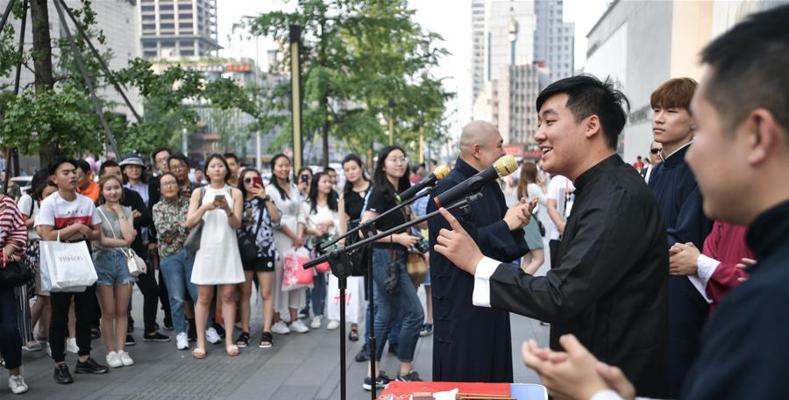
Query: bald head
480,144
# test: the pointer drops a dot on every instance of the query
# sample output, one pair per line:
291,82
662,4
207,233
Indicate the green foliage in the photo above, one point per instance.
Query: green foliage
358,57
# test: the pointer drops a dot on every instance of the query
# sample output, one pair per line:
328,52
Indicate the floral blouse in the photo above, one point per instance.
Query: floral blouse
251,218
169,217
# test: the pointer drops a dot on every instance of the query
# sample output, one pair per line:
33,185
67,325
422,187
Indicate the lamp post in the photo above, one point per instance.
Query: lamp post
295,90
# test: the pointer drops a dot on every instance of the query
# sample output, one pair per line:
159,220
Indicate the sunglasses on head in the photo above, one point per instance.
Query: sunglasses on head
654,151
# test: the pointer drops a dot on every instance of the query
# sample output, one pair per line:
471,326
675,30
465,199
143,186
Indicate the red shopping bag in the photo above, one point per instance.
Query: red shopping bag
294,276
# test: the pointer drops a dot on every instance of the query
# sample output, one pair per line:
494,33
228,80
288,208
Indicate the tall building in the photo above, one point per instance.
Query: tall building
641,44
116,19
506,91
477,47
178,28
553,40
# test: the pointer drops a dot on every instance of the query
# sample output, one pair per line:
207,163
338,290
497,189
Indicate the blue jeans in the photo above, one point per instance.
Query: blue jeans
404,302
177,271
318,294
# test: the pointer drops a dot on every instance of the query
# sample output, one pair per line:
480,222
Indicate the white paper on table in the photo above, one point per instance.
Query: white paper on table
448,395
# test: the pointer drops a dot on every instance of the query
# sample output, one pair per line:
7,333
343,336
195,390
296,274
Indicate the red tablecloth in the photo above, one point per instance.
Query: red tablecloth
403,389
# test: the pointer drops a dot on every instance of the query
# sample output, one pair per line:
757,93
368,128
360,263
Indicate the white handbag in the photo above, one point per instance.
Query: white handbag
134,262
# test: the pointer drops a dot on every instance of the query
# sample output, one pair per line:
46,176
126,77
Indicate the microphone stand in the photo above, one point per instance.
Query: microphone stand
340,263
363,226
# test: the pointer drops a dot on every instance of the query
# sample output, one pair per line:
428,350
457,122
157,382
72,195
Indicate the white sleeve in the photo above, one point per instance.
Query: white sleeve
46,214
553,189
25,205
96,218
485,268
700,286
606,395
706,267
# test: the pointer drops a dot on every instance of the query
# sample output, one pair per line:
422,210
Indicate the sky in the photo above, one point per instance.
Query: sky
449,18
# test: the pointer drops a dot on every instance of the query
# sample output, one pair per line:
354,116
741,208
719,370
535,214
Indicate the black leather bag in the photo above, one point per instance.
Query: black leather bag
14,274
247,243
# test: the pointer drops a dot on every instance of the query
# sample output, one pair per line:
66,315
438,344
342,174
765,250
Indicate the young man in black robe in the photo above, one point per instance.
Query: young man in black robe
679,199
609,287
740,157
473,344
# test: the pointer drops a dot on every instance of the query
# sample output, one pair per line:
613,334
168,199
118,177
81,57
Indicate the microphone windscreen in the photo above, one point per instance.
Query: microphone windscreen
505,165
441,172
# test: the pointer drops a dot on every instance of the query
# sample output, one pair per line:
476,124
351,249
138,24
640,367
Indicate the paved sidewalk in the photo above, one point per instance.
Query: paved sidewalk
299,366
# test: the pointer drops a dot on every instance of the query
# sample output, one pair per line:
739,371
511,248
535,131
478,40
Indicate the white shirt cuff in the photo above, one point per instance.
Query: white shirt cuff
706,267
606,395
700,286
485,268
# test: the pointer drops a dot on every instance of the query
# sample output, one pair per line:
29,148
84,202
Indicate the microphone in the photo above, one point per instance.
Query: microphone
438,174
501,168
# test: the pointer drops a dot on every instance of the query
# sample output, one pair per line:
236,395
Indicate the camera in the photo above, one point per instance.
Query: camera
421,246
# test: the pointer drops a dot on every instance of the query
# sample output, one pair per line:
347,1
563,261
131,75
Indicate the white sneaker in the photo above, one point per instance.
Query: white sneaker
48,349
332,325
212,336
17,384
182,341
114,360
71,345
299,327
33,345
316,322
126,359
280,328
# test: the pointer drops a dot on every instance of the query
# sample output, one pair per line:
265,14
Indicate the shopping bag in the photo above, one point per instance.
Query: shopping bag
294,276
354,299
66,267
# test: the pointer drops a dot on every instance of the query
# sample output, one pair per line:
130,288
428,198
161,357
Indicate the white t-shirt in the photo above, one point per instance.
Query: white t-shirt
57,212
560,189
30,208
322,215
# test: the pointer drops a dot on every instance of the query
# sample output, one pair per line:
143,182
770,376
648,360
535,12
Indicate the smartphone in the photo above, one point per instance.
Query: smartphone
257,181
304,178
219,197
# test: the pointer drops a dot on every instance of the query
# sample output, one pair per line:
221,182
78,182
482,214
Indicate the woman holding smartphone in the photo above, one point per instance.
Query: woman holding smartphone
395,295
218,261
259,219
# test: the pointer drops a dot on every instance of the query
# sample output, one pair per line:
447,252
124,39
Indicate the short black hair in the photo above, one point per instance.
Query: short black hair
159,150
84,166
749,68
179,157
107,164
54,165
329,169
587,96
231,155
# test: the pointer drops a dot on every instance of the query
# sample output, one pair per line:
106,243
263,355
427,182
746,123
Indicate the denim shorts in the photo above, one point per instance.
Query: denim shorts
111,268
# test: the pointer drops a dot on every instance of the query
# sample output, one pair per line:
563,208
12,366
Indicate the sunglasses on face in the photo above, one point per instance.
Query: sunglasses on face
654,151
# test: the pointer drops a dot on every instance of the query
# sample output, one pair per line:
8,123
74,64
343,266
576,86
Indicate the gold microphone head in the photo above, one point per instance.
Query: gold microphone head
441,171
505,165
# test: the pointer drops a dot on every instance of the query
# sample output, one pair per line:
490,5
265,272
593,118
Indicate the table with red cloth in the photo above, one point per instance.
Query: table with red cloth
401,390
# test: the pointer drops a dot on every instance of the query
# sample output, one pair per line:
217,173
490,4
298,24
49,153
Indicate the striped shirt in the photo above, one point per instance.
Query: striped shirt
12,225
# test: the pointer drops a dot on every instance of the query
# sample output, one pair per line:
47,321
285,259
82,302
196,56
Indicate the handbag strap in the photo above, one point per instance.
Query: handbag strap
260,219
108,222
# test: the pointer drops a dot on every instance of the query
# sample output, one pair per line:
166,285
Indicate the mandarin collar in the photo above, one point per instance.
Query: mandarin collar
768,230
600,168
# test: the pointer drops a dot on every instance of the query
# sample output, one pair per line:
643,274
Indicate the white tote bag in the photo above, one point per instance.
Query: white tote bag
354,299
66,267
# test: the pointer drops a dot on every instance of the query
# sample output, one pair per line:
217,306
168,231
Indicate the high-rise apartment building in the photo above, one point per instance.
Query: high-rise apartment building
553,40
178,28
477,47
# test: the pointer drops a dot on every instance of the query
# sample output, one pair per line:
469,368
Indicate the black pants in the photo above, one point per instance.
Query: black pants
10,340
553,246
164,298
150,296
58,325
